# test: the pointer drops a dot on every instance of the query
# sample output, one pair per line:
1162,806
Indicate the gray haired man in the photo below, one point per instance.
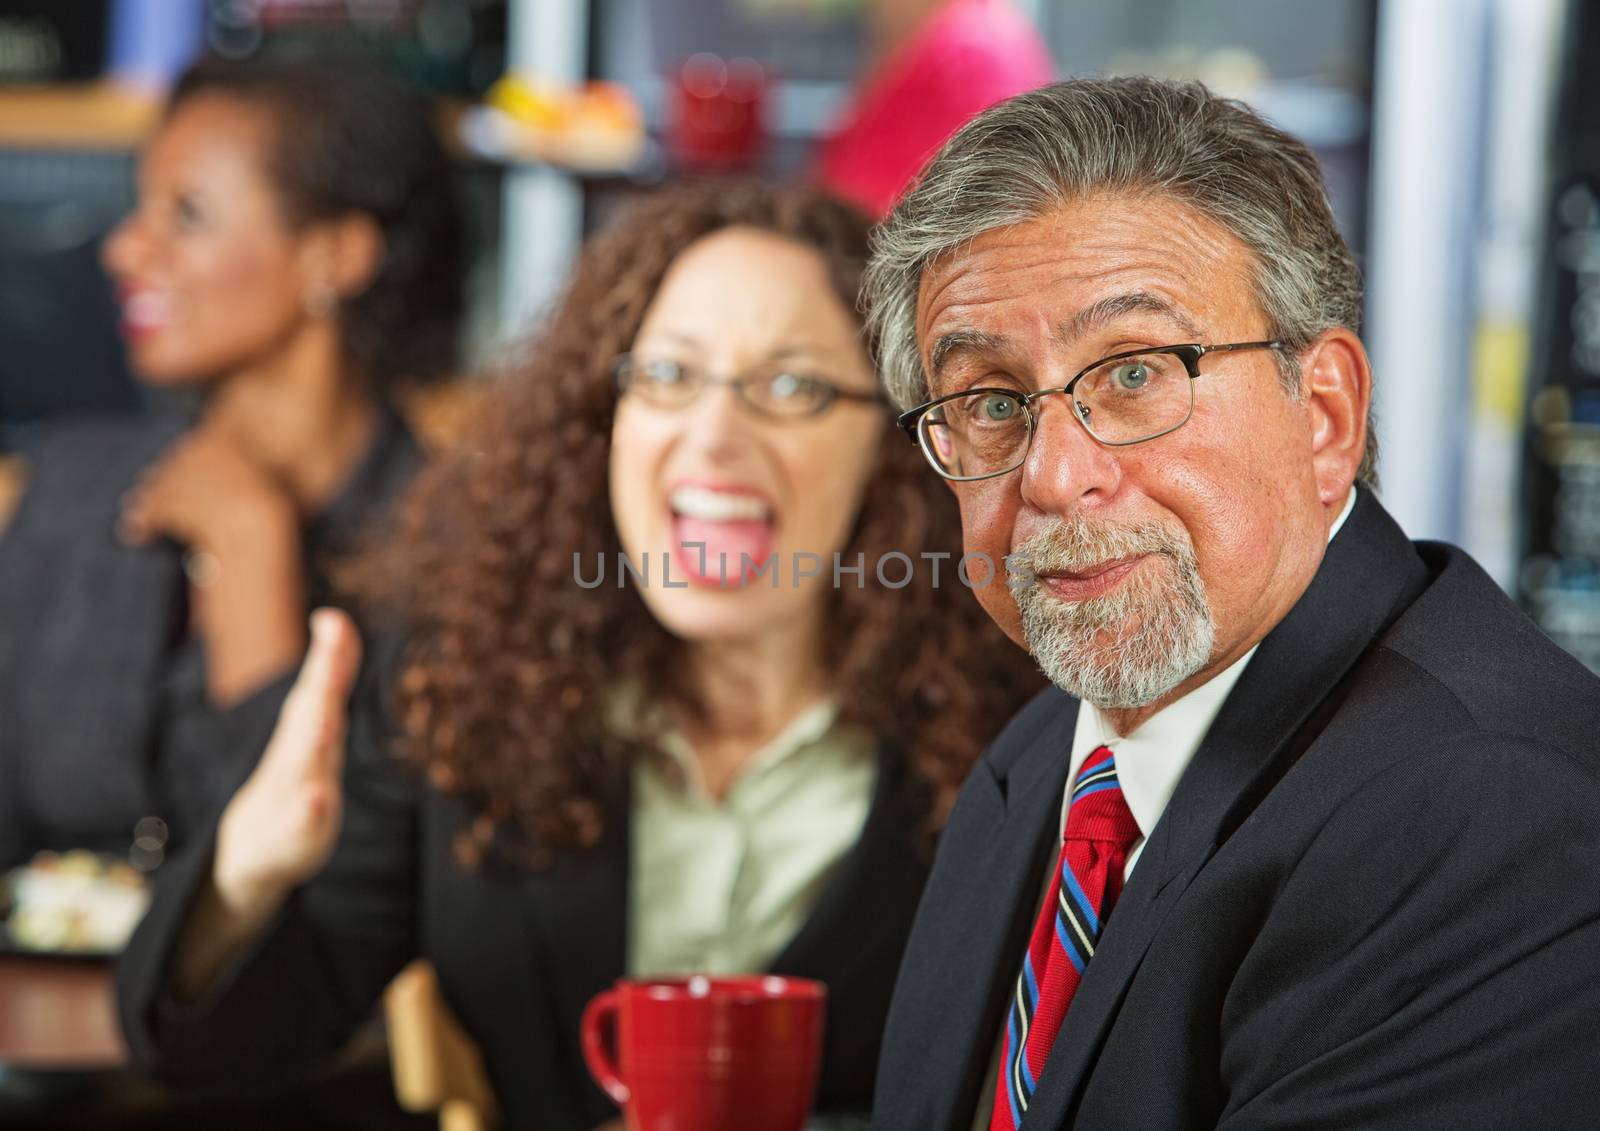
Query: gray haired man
1307,833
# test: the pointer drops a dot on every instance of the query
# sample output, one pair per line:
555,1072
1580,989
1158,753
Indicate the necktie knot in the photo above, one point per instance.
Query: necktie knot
1098,810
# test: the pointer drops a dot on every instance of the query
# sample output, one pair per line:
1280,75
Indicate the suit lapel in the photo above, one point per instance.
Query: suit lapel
967,944
1370,574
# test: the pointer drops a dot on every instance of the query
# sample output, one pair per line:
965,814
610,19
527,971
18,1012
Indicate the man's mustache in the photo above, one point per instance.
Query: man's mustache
1072,545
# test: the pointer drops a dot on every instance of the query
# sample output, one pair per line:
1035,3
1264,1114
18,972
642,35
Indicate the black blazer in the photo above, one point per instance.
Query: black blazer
104,717
1373,901
519,953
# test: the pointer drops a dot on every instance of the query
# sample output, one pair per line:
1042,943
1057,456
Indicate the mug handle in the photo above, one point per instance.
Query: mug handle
599,1023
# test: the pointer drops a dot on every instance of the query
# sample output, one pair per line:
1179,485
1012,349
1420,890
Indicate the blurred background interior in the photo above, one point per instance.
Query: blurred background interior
1460,138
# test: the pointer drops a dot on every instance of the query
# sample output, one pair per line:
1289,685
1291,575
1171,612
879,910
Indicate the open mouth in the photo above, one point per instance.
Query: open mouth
144,311
720,534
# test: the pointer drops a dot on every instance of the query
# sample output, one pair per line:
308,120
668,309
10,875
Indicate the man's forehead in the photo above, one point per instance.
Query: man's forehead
1083,253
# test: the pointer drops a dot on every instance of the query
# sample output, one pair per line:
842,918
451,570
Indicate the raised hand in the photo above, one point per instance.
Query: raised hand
281,826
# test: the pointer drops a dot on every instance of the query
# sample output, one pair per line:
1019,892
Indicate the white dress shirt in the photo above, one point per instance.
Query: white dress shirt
1151,759
1149,763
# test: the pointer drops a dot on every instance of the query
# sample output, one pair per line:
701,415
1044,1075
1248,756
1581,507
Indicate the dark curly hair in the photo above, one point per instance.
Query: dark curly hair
501,696
351,137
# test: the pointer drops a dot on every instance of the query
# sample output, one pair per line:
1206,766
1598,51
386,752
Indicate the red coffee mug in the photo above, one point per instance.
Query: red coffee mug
708,1054
718,121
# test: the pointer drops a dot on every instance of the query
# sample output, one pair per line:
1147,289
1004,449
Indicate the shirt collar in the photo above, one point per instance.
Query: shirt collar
1152,759
629,713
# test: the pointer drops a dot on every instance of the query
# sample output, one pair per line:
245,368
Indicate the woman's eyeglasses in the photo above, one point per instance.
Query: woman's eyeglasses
777,392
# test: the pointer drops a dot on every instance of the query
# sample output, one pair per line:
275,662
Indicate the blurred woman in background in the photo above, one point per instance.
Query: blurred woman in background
293,255
692,769
932,66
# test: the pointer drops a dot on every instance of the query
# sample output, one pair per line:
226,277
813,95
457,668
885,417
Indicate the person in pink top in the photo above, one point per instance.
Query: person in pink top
935,65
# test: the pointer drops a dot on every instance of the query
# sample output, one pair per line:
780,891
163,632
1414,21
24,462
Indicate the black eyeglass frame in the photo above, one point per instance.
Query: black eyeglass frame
1190,353
740,385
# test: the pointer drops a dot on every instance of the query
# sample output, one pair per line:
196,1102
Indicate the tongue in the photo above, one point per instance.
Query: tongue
725,542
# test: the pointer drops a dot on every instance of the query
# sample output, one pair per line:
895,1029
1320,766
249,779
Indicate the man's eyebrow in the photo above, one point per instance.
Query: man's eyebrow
1109,309
957,341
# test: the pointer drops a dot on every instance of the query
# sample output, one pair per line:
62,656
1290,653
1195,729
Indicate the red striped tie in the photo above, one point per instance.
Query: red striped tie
1094,848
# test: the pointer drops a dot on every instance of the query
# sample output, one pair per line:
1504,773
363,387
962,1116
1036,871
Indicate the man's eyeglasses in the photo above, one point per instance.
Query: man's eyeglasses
1123,399
776,392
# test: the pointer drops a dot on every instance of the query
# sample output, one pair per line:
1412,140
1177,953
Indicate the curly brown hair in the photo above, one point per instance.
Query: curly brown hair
501,696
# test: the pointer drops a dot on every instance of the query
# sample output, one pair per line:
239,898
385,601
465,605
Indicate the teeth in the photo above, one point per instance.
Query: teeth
717,506
146,308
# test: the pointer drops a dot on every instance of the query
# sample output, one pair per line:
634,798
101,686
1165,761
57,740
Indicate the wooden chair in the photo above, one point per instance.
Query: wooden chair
435,1064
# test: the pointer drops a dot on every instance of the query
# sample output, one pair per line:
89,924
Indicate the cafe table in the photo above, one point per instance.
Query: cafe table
63,1064
58,1015
62,1057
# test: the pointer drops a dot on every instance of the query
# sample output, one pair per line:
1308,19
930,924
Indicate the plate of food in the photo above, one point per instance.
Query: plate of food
596,127
71,905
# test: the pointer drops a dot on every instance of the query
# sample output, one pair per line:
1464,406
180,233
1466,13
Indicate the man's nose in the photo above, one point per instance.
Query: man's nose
1066,467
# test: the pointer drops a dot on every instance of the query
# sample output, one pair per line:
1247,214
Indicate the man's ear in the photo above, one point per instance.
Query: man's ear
1336,387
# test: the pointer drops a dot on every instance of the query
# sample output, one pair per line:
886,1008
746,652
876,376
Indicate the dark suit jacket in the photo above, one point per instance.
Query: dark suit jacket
104,716
1373,901
519,953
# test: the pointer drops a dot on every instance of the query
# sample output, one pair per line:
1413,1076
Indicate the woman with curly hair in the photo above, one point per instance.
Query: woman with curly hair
636,750
292,259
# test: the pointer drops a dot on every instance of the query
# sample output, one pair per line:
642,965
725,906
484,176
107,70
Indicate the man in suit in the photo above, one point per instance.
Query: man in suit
1307,834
